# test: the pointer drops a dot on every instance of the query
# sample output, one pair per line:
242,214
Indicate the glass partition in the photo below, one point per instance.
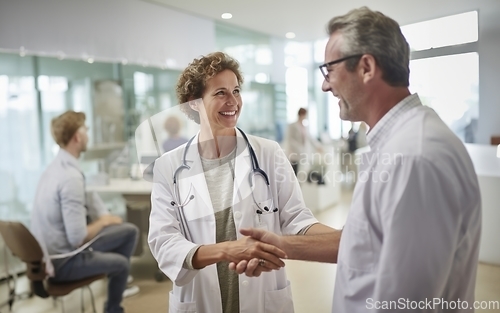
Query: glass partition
33,90
20,151
253,52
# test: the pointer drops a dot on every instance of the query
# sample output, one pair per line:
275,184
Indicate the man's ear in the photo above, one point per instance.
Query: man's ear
367,67
74,139
77,137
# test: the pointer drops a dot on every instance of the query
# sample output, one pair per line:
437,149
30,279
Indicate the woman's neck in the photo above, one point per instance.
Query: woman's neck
216,145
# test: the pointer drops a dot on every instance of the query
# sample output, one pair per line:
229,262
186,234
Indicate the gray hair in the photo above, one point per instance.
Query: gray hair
371,32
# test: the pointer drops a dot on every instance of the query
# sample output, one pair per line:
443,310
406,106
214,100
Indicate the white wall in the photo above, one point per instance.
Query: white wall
144,32
108,30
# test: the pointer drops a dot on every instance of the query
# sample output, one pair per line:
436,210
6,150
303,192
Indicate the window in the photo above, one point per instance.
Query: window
442,32
451,90
444,69
20,151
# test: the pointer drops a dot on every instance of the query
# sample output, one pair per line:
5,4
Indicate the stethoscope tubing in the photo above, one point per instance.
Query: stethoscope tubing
179,205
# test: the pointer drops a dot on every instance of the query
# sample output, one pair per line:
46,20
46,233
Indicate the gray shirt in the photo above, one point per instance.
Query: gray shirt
59,215
219,175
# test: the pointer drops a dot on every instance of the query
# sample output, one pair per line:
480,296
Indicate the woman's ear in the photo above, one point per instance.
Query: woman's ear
194,104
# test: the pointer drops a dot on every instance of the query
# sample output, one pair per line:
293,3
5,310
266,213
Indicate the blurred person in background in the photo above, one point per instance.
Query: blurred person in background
296,140
78,235
173,127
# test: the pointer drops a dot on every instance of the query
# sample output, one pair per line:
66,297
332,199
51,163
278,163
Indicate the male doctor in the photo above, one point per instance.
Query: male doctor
412,234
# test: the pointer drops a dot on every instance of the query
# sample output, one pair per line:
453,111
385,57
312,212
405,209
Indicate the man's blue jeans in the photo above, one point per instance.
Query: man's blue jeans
110,255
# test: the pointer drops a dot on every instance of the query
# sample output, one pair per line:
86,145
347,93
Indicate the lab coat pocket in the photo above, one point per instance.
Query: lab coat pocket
279,301
176,306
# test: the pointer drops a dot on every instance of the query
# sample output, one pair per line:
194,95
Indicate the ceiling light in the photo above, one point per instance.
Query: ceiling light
262,78
290,35
171,63
226,16
90,60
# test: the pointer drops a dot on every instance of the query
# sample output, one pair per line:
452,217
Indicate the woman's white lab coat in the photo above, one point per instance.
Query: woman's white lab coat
198,290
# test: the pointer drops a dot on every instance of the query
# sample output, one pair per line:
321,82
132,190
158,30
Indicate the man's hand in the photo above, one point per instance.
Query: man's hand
247,248
96,226
109,219
243,249
320,244
255,267
263,236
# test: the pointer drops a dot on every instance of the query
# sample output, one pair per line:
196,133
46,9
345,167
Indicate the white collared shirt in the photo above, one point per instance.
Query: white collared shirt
413,229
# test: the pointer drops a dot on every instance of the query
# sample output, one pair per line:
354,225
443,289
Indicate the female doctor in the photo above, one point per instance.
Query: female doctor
205,191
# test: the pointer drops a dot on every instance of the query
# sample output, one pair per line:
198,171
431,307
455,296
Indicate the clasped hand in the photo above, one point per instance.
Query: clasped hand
262,252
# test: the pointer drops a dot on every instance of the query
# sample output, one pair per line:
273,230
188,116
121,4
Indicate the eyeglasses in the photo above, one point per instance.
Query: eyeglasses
324,67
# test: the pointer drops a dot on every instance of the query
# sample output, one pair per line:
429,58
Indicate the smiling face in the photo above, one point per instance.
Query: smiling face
345,85
222,103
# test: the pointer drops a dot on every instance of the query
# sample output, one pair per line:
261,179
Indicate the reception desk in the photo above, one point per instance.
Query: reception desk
137,194
487,166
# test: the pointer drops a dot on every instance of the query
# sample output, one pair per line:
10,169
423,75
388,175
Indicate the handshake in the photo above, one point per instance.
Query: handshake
263,251
266,250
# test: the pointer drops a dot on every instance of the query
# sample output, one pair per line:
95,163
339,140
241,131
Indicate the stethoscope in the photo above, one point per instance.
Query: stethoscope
256,170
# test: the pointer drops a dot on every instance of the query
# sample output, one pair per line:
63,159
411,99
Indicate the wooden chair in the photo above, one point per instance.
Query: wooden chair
24,246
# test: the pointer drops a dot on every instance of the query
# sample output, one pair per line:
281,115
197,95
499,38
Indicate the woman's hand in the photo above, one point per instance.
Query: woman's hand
256,266
247,248
252,268
243,250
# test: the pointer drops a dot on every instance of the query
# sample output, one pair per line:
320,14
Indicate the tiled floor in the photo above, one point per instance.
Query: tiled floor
312,283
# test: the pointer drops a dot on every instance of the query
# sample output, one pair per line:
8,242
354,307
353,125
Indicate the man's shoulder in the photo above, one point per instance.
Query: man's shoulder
421,133
58,170
421,138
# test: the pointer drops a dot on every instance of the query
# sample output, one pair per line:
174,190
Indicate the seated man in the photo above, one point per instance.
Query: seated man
61,220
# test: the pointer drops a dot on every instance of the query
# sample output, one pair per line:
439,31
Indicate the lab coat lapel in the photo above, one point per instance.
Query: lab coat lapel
192,182
243,167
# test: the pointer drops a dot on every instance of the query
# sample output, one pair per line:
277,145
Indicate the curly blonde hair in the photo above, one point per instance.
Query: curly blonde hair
193,79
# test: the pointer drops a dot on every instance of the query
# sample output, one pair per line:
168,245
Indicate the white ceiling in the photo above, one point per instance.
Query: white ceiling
308,18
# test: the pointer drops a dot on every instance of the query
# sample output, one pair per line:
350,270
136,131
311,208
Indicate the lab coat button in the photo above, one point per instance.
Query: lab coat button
237,215
245,283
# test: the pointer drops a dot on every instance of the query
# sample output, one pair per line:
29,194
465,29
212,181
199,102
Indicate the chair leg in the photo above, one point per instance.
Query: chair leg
91,299
81,298
62,304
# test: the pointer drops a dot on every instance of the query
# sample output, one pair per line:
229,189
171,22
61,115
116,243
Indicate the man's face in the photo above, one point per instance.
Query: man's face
344,85
83,138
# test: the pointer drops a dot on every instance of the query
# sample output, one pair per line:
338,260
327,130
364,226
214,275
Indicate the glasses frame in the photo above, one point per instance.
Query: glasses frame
323,67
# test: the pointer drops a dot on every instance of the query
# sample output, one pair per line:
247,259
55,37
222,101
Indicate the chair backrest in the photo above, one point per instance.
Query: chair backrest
24,246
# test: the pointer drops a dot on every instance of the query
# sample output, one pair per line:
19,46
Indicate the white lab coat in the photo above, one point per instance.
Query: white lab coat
415,220
198,290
